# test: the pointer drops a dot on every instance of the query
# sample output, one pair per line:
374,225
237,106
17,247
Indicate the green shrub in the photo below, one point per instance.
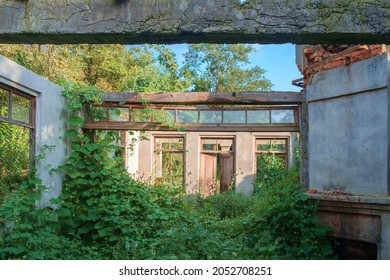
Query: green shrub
103,213
285,225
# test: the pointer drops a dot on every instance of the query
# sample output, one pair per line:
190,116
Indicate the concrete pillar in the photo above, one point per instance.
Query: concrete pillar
304,152
192,162
384,249
145,160
245,170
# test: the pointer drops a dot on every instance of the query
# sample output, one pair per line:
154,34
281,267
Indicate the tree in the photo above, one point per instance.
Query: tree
156,70
212,67
50,61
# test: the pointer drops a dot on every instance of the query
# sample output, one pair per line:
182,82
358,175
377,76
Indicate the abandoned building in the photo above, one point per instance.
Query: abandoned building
207,148
340,117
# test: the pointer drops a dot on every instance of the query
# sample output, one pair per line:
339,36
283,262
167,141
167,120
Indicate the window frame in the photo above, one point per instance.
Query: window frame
286,152
32,107
181,151
31,125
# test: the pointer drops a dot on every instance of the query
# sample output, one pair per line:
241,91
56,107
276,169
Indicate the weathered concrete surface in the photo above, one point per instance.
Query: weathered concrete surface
361,218
51,121
348,136
194,21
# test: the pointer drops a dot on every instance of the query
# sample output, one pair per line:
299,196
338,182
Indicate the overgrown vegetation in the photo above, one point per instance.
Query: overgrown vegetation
105,214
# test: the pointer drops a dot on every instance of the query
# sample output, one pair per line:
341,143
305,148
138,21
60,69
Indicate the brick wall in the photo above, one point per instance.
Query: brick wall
324,57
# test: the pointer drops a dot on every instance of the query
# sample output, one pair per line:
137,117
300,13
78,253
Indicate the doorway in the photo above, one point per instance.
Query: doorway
216,165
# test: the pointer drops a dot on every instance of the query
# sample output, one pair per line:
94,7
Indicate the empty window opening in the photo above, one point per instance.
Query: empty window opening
168,161
216,165
271,156
16,131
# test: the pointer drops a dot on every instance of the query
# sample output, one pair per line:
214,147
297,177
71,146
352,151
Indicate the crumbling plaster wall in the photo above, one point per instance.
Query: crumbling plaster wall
51,121
348,138
163,21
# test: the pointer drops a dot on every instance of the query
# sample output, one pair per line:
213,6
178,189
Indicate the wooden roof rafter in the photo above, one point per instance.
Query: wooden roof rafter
204,98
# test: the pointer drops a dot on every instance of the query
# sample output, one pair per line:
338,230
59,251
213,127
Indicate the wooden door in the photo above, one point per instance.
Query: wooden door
208,174
226,171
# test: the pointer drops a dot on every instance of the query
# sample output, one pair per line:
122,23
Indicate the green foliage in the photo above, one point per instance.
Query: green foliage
27,232
270,170
223,68
14,156
77,95
286,225
103,213
146,68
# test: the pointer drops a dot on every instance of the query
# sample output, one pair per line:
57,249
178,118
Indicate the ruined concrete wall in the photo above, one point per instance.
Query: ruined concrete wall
164,21
348,139
51,121
361,218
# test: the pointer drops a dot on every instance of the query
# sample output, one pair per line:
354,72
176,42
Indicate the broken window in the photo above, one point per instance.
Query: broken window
271,155
168,161
198,116
16,131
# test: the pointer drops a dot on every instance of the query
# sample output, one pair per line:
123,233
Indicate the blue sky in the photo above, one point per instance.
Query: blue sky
277,60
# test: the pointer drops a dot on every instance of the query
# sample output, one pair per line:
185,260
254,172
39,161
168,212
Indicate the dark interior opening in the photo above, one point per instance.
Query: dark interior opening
348,249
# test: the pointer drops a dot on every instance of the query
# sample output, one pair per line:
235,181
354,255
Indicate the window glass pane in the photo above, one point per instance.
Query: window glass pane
99,113
141,115
4,102
210,116
187,116
20,108
163,116
119,114
258,116
234,116
282,116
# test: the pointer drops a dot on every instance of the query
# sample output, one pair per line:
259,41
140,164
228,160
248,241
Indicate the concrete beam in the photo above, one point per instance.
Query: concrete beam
194,21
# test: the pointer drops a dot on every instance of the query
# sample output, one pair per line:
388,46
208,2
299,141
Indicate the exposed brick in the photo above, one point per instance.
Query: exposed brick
342,57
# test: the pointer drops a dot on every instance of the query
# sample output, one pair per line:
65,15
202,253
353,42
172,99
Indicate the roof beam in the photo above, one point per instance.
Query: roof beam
215,98
194,21
146,126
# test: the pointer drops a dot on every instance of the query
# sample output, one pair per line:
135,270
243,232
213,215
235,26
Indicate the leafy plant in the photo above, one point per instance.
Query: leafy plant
103,213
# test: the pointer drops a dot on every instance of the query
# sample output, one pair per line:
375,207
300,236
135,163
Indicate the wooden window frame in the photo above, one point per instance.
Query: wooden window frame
286,153
31,125
171,151
32,107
